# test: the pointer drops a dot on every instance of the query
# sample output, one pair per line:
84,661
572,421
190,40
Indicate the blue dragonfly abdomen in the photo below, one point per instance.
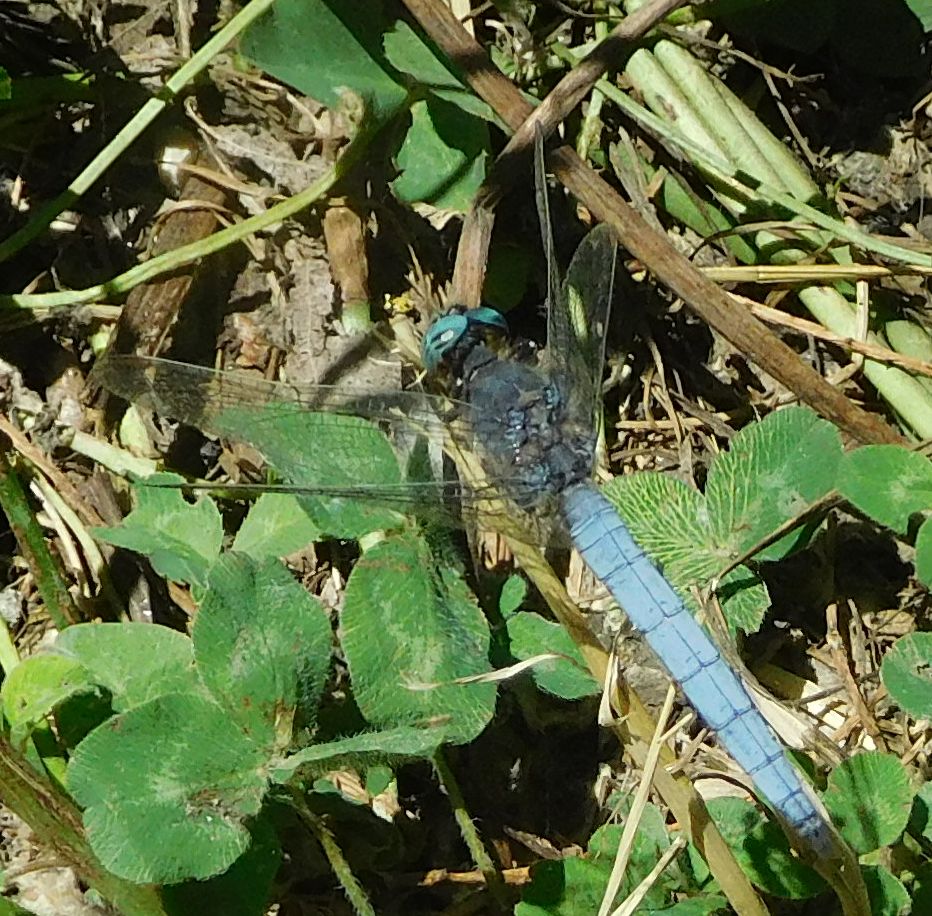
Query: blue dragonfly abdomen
692,659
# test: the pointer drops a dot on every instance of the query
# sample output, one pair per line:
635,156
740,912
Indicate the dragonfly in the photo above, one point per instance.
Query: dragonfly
533,426
540,423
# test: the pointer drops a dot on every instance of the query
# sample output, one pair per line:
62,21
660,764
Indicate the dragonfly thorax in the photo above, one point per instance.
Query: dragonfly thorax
519,419
519,416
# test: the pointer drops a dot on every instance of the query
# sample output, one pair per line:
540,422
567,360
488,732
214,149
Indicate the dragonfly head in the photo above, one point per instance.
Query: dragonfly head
457,332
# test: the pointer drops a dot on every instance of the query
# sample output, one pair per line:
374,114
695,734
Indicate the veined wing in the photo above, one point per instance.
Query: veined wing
205,398
321,440
578,309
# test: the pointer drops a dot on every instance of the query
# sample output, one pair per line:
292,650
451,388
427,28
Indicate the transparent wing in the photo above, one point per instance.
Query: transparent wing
582,319
546,232
205,398
577,310
321,440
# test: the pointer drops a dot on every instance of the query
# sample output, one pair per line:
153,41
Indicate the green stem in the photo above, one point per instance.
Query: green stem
493,877
354,891
186,254
35,550
729,176
592,121
43,217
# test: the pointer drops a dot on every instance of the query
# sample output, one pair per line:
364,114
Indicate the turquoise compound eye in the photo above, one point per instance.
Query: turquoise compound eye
487,316
448,330
444,334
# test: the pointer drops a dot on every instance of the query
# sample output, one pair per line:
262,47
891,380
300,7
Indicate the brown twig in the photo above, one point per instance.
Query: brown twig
836,645
471,256
152,306
804,326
